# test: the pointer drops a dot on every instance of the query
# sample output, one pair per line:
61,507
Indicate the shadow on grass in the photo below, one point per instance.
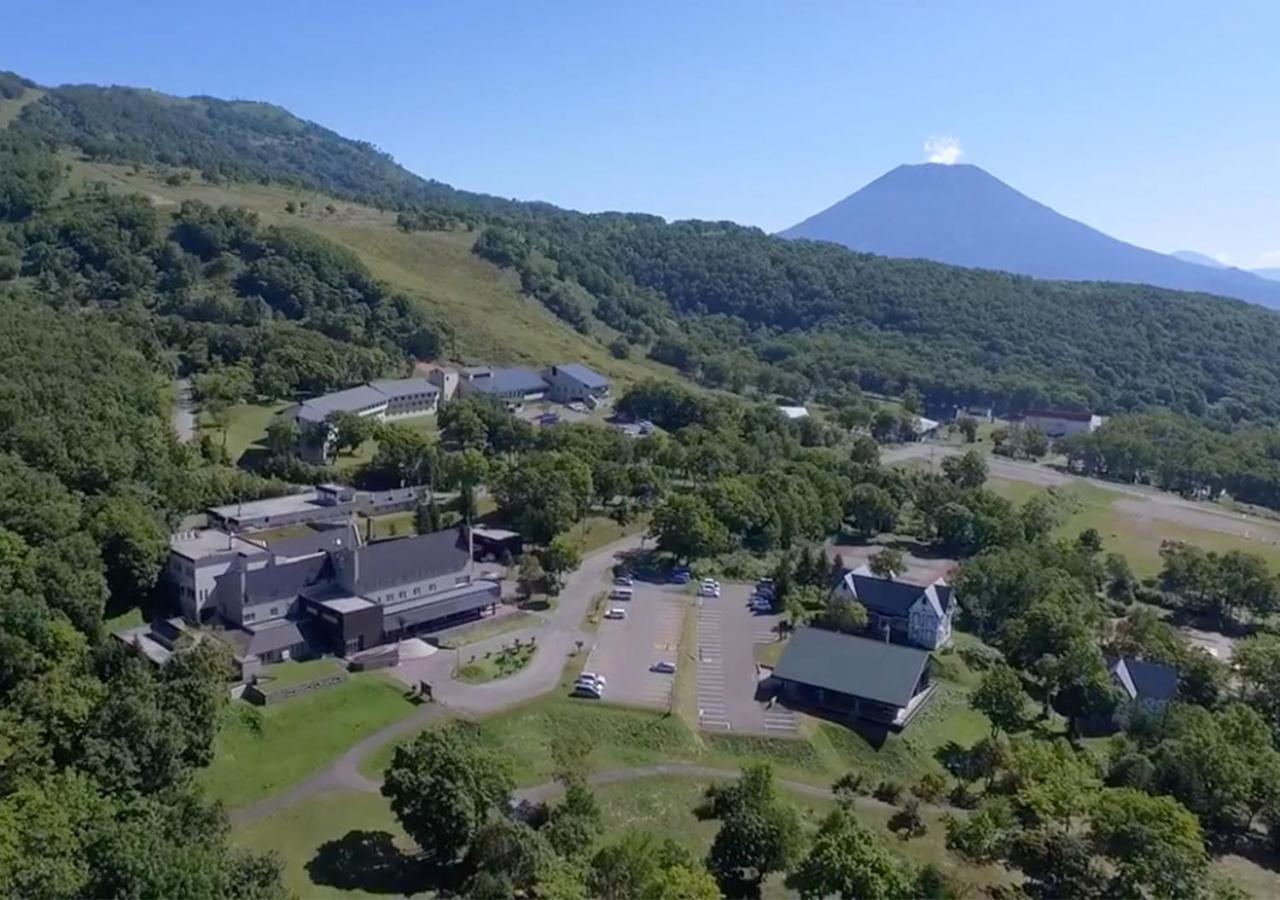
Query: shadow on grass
370,861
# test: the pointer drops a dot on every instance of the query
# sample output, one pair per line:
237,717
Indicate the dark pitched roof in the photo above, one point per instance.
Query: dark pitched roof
1144,680
587,377
274,582
401,560
889,597
1065,414
848,664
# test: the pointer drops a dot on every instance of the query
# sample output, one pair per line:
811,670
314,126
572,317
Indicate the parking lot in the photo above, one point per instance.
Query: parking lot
727,634
626,649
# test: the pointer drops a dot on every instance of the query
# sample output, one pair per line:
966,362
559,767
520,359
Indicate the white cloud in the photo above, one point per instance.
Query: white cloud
1268,259
1224,258
942,149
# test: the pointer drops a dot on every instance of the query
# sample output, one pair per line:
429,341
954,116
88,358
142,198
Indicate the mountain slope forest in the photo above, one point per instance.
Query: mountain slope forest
729,305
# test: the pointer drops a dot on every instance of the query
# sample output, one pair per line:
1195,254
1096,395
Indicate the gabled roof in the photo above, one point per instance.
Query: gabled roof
403,387
286,580
1064,414
890,597
510,381
317,409
848,664
583,375
1144,680
402,560
313,540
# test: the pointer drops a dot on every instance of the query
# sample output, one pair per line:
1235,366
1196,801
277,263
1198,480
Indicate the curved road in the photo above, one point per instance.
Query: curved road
557,636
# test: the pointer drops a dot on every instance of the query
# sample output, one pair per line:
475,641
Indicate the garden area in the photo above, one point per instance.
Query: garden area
503,663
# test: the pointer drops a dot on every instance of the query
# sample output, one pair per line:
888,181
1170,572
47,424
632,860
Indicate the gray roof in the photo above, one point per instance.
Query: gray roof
587,377
286,580
889,597
510,381
848,664
317,409
401,560
1143,680
403,387
271,636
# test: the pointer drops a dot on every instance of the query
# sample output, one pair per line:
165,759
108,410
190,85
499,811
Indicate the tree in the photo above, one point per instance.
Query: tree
426,518
349,429
871,510
443,787
999,696
282,436
574,823
508,852
887,563
1156,846
684,882
846,615
467,469
1257,663
968,427
968,470
625,869
1058,864
759,831
685,526
529,575
985,834
543,493
560,556
134,546
1090,541
846,860
864,451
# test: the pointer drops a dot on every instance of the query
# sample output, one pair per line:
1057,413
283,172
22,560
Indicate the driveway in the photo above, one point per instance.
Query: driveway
728,632
557,637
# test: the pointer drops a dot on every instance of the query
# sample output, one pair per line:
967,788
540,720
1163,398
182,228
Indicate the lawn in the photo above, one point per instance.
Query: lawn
391,525
594,532
246,426
261,751
490,667
364,825
1135,536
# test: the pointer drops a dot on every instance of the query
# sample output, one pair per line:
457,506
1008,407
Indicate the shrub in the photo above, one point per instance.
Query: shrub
888,791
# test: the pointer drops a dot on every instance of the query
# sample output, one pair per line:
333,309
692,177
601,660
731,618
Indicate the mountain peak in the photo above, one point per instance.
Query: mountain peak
963,215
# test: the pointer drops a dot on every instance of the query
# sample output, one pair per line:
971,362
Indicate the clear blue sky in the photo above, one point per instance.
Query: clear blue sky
1154,121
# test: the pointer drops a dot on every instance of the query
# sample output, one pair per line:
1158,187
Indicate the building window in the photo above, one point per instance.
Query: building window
417,591
249,617
402,595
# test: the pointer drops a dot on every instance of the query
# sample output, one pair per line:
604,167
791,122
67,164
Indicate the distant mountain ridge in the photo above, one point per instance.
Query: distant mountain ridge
964,216
1199,259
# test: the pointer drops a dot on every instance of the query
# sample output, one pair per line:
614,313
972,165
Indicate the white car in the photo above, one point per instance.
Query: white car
708,591
616,613
624,580
664,666
592,676
710,582
586,689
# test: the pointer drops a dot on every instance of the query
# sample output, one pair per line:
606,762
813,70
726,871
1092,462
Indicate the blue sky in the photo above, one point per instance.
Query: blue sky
1154,121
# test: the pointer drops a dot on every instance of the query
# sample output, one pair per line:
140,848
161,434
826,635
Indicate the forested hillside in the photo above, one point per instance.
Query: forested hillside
815,320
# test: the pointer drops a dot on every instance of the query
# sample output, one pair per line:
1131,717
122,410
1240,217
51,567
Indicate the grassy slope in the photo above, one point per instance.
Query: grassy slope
259,752
491,320
9,109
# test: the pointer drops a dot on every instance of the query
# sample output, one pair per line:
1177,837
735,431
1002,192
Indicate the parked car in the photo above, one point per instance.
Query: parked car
621,593
577,406
708,590
616,613
664,666
581,689
680,578
761,605
626,579
592,676
710,582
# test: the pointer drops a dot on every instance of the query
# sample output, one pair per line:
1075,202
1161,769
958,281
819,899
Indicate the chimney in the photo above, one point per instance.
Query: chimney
244,581
471,553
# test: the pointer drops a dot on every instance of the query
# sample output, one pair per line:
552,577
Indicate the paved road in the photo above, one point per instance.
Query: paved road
556,636
184,412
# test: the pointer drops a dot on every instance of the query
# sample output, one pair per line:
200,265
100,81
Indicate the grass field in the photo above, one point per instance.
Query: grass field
246,426
663,806
489,319
1135,536
289,673
261,751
